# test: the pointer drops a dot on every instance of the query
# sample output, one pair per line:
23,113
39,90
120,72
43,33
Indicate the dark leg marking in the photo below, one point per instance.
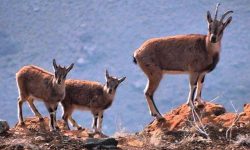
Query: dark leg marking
152,99
20,113
65,118
192,94
95,120
52,120
51,117
202,80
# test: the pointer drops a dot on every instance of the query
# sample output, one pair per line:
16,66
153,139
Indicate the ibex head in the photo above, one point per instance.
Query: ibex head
112,82
216,27
60,72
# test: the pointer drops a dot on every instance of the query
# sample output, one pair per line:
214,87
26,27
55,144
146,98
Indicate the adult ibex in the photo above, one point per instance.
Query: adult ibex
35,83
193,54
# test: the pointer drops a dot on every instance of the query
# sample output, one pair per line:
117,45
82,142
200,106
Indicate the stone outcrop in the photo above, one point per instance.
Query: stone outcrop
4,126
176,131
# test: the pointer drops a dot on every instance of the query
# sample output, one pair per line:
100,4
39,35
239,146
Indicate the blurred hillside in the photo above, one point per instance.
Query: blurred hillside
178,130
104,34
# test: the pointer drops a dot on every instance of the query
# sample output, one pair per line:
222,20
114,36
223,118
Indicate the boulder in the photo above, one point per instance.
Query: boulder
179,117
101,143
4,126
247,109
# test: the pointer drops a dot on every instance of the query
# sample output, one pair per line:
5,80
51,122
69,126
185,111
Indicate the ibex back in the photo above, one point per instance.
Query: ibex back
193,54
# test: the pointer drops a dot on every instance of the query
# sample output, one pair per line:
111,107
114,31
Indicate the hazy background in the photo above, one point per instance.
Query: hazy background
104,34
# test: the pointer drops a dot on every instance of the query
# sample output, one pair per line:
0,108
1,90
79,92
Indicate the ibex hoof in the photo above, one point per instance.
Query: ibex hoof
53,130
66,127
41,119
57,128
160,118
157,116
80,128
21,124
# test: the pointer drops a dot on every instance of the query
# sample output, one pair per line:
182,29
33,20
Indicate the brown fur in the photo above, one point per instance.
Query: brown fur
86,94
176,53
89,95
35,83
193,54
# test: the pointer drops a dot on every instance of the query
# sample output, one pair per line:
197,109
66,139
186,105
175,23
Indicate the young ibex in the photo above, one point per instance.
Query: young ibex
89,95
35,83
193,54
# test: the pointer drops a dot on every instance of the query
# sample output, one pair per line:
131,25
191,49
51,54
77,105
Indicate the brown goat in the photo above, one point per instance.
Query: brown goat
193,54
89,95
35,83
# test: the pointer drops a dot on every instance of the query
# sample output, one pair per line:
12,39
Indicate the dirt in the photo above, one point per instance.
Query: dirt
217,129
225,130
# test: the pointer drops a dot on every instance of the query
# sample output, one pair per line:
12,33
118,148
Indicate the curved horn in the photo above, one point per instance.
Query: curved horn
223,16
216,11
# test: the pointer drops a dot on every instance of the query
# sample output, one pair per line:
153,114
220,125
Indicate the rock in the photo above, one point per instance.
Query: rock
179,118
39,139
225,120
4,126
105,142
156,138
16,147
247,109
135,143
31,146
214,109
105,147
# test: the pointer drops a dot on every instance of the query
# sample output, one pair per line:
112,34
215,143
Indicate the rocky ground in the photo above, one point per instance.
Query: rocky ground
180,129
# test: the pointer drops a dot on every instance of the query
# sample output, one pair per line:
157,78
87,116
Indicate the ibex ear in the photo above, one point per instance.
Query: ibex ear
70,67
209,18
122,79
54,64
106,75
227,22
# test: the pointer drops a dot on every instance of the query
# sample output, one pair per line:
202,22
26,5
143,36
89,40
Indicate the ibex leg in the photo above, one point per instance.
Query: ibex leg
193,78
153,83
